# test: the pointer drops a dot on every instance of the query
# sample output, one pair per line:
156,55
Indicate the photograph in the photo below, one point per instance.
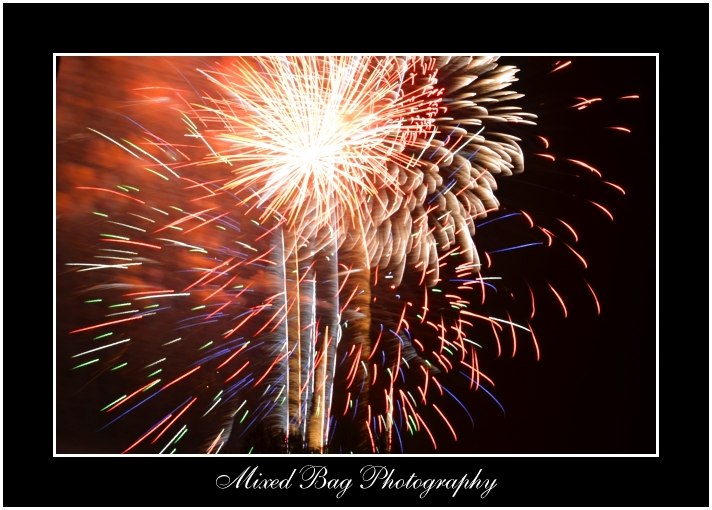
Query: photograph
355,254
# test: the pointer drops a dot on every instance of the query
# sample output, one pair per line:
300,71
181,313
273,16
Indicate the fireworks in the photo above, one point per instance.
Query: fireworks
285,259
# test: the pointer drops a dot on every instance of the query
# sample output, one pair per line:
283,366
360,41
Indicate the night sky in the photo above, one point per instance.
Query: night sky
594,389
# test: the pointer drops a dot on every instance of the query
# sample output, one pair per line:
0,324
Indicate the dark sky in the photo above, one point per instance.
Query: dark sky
594,389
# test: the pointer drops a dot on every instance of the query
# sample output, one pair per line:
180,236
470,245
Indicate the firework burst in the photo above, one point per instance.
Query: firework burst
300,261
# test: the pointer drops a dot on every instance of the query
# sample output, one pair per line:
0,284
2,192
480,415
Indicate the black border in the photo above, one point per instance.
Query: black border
32,477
